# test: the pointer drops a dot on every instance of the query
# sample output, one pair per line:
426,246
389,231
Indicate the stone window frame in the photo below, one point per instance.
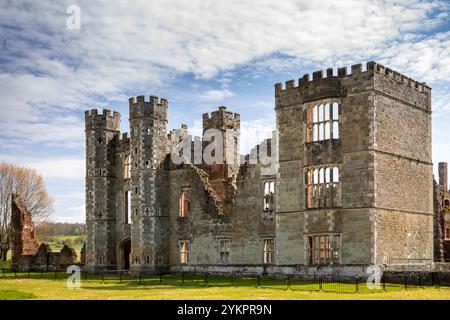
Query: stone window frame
319,124
184,200
184,251
268,199
447,233
269,252
127,211
224,251
325,251
319,179
127,167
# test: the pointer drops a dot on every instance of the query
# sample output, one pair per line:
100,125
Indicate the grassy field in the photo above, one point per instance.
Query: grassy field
49,289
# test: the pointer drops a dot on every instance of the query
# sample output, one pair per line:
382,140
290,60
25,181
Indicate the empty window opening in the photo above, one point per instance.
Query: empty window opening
184,252
324,249
127,207
322,122
224,251
269,196
127,167
184,204
322,187
269,251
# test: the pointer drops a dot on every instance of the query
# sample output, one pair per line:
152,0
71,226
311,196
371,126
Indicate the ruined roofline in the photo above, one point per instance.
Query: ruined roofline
208,115
355,70
105,113
152,100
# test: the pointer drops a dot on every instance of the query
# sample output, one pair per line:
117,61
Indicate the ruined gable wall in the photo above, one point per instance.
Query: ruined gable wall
23,241
243,225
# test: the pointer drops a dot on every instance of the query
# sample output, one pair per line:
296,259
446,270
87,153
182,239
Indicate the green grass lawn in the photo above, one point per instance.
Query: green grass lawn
217,289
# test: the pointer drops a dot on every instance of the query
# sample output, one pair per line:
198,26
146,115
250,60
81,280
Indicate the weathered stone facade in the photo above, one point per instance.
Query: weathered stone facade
351,171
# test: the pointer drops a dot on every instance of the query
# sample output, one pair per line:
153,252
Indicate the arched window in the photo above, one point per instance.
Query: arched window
322,122
321,175
327,175
327,112
335,174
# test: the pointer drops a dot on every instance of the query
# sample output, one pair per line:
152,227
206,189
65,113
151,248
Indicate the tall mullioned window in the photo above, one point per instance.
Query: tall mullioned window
324,249
322,122
322,187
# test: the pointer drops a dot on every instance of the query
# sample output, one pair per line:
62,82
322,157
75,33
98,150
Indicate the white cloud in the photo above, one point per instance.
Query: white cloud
50,69
427,59
216,95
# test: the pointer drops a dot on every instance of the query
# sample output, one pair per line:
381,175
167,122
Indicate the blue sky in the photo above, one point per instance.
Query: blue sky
199,55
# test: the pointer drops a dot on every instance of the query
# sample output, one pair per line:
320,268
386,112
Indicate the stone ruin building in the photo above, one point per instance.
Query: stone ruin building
351,184
27,253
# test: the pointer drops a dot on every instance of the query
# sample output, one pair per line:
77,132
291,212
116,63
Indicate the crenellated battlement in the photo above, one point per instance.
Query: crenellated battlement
222,110
355,70
153,100
106,119
105,113
152,107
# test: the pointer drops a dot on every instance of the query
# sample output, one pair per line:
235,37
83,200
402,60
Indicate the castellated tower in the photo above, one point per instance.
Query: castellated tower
222,175
102,134
148,144
355,169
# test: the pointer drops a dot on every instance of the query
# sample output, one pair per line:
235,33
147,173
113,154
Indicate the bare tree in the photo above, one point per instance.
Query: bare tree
29,185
